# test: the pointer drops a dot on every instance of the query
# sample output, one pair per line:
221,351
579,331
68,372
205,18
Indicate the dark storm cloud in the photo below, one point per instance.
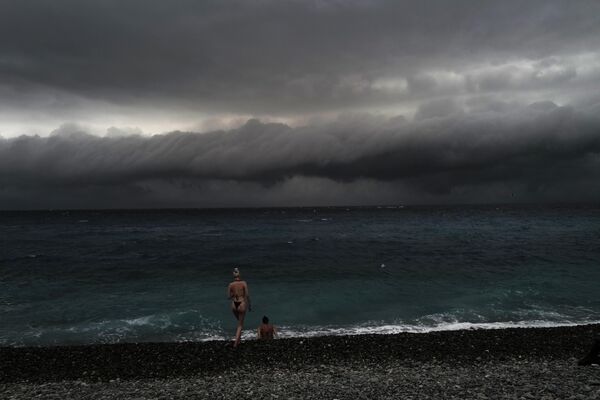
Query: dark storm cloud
464,69
536,152
286,56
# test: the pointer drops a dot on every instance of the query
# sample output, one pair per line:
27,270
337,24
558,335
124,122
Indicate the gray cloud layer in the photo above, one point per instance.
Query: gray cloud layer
292,57
536,153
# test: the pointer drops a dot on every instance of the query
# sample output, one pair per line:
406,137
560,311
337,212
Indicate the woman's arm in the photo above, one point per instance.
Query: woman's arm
248,296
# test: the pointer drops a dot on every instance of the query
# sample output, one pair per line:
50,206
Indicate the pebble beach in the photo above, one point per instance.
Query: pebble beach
515,363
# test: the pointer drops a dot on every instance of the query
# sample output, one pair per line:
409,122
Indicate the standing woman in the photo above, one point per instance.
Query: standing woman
240,302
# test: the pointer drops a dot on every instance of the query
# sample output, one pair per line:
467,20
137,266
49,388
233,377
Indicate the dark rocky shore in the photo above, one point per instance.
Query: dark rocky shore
509,363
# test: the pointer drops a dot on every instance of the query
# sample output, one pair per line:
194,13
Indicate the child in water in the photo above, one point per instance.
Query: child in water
266,331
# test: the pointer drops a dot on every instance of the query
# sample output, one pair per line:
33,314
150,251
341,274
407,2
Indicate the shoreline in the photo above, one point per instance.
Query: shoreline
105,362
449,327
285,332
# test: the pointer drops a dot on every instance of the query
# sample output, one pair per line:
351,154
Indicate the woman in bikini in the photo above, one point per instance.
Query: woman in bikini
240,302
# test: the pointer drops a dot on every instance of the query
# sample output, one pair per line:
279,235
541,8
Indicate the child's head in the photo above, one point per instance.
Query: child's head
265,319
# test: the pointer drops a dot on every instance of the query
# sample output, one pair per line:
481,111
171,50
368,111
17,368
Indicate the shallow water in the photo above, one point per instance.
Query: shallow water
115,276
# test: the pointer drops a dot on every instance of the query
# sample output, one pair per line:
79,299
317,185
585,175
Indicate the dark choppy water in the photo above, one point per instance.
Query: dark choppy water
107,276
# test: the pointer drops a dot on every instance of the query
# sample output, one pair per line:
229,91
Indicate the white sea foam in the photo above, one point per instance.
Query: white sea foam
190,325
121,331
176,326
407,328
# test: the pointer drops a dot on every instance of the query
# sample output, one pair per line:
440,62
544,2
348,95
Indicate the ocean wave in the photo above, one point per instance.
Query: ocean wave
178,326
285,331
19,258
456,319
192,325
111,332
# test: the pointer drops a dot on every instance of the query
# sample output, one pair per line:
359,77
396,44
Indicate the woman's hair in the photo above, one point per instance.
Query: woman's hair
265,319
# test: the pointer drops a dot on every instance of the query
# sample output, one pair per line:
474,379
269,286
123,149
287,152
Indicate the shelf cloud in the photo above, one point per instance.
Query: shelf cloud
537,152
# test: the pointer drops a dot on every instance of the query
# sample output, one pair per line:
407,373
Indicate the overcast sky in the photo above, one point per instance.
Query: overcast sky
149,103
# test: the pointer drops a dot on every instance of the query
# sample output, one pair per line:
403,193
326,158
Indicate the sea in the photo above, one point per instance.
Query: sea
87,277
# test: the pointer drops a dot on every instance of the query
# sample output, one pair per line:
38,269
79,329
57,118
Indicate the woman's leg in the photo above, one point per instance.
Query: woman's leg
234,311
240,317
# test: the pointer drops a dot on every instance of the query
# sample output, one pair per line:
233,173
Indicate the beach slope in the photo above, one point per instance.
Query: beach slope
503,363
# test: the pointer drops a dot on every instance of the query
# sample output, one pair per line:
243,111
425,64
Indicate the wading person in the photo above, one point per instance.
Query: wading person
266,331
240,302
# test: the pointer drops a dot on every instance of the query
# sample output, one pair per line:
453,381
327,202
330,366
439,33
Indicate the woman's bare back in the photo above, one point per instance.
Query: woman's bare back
238,291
